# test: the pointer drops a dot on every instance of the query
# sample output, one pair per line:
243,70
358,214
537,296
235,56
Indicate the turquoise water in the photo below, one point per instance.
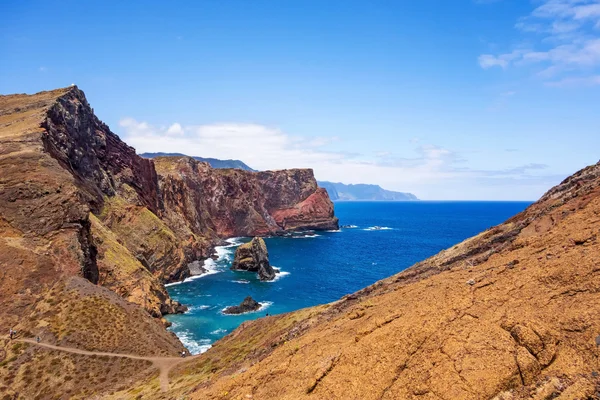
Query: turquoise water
324,266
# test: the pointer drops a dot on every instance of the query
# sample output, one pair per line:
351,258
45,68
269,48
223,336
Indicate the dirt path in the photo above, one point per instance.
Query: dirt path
164,364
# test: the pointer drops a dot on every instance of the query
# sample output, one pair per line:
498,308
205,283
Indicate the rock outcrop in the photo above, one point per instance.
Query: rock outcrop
511,313
254,257
90,232
247,305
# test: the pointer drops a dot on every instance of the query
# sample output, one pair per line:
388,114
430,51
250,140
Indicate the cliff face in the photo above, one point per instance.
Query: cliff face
54,174
87,241
233,202
511,313
102,163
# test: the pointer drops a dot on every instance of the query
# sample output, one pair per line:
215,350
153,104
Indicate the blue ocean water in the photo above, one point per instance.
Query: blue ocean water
322,267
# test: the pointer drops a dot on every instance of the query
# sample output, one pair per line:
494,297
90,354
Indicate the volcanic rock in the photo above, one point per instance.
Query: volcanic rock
248,305
253,257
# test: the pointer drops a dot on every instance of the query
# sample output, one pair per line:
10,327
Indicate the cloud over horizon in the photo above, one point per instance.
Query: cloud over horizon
433,172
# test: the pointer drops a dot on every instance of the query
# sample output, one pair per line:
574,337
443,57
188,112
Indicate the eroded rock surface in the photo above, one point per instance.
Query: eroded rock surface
232,202
254,257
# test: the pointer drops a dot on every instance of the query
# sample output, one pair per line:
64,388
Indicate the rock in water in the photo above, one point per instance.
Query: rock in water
249,304
253,257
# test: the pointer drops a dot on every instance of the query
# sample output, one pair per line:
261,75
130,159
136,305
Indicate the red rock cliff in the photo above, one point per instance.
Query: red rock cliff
233,202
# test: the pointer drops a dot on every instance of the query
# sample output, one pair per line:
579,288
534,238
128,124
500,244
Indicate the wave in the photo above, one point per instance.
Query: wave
279,275
233,242
218,331
263,306
349,226
241,281
198,308
308,236
194,346
378,228
212,266
334,230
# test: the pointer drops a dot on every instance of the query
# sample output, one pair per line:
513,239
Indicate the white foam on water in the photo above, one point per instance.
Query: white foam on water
309,236
334,230
351,227
279,275
194,346
241,281
223,253
200,307
218,331
378,228
210,266
233,242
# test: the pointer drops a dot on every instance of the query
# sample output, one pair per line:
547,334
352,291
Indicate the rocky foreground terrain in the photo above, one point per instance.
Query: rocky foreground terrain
90,232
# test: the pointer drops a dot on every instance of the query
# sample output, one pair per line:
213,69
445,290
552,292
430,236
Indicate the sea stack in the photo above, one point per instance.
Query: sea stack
248,305
253,257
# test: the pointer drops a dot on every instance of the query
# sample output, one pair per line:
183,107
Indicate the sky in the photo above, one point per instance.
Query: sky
449,100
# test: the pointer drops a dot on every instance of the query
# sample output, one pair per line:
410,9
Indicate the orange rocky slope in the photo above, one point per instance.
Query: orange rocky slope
511,313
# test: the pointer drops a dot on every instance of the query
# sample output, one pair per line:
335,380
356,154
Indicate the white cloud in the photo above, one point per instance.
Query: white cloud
175,130
433,172
562,37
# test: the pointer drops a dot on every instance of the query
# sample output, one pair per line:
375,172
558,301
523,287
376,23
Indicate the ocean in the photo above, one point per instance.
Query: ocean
383,238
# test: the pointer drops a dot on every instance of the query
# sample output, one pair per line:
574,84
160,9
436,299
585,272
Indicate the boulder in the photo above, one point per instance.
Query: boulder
253,257
248,305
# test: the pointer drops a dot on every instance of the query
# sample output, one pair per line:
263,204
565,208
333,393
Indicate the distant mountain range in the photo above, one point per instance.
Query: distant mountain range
361,191
215,163
336,191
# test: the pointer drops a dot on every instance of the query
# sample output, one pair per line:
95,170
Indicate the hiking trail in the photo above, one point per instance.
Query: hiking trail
164,364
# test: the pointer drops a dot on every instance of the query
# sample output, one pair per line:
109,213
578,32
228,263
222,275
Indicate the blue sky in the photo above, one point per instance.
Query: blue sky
455,99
